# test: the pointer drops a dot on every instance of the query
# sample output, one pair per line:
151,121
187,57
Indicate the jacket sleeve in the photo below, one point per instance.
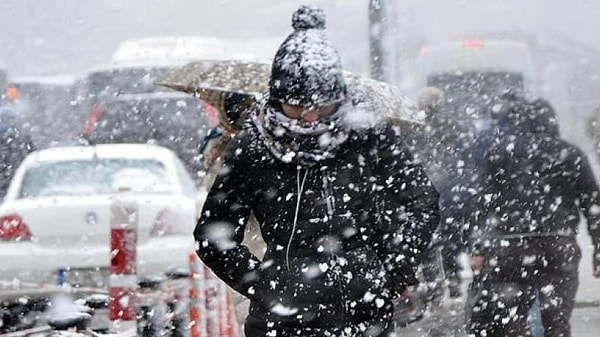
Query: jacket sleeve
408,208
220,229
491,174
589,199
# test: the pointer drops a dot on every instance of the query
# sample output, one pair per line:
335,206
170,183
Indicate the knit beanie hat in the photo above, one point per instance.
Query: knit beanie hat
307,69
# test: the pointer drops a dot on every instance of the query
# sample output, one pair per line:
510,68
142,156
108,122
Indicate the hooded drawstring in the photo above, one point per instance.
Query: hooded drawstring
300,187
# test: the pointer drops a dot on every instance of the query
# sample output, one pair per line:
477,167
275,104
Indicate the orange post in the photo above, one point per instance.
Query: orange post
213,326
231,321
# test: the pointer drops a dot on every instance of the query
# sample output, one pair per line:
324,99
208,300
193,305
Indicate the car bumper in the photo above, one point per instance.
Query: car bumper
28,262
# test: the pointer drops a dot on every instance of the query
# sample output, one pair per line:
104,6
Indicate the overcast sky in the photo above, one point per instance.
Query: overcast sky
43,37
70,36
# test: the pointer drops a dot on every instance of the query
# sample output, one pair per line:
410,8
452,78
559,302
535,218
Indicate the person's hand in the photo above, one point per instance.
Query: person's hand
596,265
405,297
477,262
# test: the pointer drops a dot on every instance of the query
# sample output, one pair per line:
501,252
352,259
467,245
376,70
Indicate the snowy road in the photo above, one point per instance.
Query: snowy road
448,320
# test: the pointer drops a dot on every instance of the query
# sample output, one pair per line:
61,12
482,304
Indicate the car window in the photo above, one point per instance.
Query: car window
475,89
476,56
155,117
466,59
178,123
112,82
87,177
49,112
165,121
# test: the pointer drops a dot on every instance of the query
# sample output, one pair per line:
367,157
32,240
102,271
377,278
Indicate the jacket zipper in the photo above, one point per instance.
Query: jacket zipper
300,189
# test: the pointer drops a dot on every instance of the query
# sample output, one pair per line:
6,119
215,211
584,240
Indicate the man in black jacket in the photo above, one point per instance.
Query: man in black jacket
344,211
441,145
536,185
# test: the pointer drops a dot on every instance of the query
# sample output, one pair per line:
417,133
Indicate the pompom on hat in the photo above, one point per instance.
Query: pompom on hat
307,69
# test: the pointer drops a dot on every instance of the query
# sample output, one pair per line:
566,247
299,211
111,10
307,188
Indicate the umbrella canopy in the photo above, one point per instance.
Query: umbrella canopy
215,81
212,81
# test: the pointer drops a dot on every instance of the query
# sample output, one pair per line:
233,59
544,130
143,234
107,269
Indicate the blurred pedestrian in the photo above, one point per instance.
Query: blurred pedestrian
20,105
15,145
525,248
344,211
439,145
594,129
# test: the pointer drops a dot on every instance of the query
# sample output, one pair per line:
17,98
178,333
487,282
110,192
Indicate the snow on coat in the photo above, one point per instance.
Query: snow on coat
342,235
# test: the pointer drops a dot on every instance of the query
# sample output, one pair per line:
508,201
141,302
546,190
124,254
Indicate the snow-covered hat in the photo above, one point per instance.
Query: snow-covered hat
307,69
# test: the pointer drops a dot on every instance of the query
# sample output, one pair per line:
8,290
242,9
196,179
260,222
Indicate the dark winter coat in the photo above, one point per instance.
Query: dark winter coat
535,187
535,182
440,144
14,147
343,235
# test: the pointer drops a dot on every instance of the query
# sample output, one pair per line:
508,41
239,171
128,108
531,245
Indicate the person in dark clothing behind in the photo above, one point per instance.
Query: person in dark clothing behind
344,211
440,145
594,129
15,145
536,185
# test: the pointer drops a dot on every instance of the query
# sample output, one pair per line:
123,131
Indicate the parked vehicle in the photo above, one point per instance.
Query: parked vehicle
174,120
472,73
126,78
56,214
49,108
466,56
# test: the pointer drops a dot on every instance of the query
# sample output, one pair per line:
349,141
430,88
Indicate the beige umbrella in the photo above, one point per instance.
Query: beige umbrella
213,81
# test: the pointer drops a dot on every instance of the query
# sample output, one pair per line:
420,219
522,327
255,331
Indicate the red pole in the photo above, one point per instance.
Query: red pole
123,263
197,297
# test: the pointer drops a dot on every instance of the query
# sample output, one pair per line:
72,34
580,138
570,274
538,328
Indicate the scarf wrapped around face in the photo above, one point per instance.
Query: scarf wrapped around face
292,141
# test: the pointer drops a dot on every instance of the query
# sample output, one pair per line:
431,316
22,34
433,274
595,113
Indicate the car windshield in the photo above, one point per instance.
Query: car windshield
475,87
89,177
133,80
476,56
175,122
138,120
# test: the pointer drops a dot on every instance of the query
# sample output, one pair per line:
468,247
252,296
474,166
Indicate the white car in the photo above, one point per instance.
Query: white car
56,213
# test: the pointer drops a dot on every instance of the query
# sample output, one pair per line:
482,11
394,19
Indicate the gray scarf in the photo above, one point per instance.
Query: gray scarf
294,142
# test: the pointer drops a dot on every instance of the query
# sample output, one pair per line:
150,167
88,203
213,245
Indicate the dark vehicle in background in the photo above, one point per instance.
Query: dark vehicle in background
472,74
471,95
104,82
126,106
174,120
126,79
48,108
